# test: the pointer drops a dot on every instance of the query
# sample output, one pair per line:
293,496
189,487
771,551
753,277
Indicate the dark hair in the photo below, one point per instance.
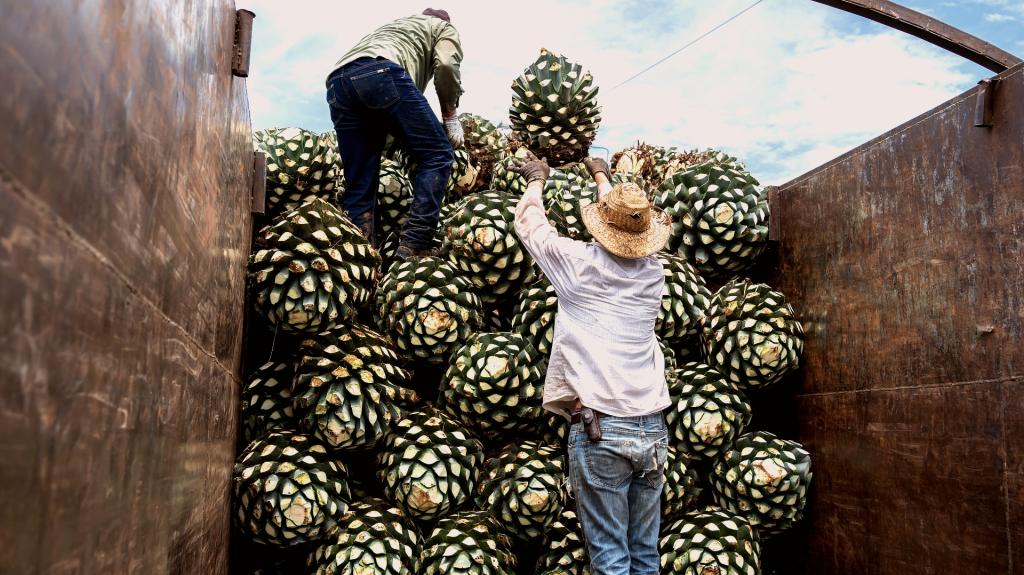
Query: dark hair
438,13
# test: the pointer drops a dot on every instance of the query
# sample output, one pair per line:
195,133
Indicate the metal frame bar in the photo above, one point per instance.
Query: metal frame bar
930,30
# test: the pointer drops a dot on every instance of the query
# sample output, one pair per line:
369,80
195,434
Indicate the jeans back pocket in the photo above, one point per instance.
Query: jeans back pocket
375,87
608,462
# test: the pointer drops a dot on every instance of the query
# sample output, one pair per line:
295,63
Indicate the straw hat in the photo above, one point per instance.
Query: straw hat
626,224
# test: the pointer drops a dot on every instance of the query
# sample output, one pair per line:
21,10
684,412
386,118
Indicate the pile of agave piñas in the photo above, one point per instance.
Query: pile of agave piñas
394,425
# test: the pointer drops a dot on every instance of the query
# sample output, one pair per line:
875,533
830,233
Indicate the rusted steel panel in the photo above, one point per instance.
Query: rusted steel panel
906,481
125,186
1013,411
124,118
930,30
1015,518
119,431
905,256
1013,405
906,259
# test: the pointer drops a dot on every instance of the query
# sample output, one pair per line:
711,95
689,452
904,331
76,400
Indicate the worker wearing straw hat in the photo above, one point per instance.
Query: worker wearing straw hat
606,371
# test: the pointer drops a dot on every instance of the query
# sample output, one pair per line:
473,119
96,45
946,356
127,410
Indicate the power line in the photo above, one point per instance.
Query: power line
690,43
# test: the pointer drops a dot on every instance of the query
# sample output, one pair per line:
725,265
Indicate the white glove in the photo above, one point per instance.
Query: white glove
453,127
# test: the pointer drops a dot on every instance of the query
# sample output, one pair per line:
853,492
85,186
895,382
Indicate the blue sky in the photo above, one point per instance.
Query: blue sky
785,87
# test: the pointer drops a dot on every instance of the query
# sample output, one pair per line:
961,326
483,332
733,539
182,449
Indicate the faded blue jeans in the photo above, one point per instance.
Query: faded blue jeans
617,483
370,98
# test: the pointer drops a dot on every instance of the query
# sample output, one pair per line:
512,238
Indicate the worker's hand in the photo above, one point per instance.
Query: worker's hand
534,170
453,127
597,166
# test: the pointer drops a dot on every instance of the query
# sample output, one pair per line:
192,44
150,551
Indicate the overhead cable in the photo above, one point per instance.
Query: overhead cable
690,43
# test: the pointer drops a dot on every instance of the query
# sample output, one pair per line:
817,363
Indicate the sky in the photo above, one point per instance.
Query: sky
785,87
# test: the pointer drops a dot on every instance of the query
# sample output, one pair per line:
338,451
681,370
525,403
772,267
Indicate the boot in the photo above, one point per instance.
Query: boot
406,251
365,224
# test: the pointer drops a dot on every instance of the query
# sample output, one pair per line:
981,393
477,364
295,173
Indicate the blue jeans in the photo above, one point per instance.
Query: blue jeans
370,98
617,483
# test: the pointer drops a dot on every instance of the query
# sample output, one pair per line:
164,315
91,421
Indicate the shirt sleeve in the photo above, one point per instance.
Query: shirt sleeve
558,257
447,58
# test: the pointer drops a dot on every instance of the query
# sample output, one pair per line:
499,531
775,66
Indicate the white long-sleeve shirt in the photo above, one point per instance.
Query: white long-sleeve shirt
604,350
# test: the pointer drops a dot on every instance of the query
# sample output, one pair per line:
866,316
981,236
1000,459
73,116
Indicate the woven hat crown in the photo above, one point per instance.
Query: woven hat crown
626,224
626,207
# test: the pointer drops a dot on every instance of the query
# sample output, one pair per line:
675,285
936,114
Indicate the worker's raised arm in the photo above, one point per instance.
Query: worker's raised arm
447,76
601,173
558,257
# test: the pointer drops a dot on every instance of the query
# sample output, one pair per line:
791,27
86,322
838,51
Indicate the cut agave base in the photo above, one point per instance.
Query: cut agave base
764,479
522,487
372,537
751,335
314,269
288,490
468,543
710,542
429,464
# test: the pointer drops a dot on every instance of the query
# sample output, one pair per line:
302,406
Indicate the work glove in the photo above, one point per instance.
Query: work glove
453,127
597,166
534,170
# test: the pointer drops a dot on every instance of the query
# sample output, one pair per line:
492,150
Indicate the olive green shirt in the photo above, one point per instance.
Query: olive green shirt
425,46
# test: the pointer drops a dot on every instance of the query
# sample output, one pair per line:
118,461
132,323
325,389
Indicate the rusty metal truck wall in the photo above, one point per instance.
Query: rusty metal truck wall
906,259
124,229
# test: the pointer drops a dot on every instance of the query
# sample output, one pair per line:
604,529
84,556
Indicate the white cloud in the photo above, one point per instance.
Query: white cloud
786,86
999,17
1017,7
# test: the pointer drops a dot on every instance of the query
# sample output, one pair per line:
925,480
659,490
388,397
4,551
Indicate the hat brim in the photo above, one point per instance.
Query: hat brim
627,244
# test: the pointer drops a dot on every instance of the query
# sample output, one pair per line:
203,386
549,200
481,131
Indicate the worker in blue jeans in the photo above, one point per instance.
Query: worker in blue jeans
376,89
606,371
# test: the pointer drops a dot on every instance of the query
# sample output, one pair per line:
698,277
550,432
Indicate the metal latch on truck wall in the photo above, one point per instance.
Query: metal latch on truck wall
243,43
985,104
259,183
